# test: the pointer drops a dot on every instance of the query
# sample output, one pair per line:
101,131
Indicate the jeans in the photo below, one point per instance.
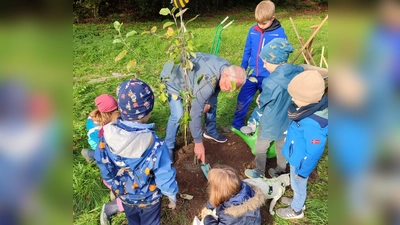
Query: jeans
177,113
299,187
143,216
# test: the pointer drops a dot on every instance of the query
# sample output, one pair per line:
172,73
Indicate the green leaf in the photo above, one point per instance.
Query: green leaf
153,30
167,24
131,33
121,55
145,32
165,11
253,79
131,64
163,97
190,65
117,41
117,25
181,12
174,96
192,19
186,117
200,78
214,79
193,54
233,83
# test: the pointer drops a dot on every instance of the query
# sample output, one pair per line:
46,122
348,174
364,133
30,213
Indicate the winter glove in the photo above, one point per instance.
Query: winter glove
172,203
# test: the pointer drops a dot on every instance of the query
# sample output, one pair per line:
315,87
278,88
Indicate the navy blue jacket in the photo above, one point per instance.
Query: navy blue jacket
241,209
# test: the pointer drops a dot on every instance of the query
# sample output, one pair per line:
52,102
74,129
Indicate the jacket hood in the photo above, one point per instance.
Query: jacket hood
275,25
240,204
128,143
283,74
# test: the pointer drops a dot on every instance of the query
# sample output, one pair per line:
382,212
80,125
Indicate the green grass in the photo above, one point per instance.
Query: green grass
93,65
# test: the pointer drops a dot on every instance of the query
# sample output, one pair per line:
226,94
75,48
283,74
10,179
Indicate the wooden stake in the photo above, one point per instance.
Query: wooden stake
309,40
322,55
302,44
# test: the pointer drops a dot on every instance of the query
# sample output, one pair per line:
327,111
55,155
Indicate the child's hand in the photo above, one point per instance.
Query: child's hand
172,203
205,212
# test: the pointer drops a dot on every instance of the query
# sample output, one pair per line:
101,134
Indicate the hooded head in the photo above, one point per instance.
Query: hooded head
135,99
276,51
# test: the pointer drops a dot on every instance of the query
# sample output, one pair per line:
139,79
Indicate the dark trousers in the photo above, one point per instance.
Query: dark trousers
149,215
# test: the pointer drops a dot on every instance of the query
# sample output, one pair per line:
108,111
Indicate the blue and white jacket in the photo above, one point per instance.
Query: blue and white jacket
305,142
241,209
135,162
255,42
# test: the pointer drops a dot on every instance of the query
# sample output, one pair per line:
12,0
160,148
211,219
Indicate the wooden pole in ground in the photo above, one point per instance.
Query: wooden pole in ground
322,55
302,44
309,40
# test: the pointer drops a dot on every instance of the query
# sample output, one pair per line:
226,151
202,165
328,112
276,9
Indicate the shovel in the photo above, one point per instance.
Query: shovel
205,167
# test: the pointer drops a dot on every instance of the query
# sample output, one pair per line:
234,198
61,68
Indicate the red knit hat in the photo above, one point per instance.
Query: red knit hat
106,103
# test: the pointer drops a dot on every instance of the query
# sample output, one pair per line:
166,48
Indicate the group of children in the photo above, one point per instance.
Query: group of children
292,112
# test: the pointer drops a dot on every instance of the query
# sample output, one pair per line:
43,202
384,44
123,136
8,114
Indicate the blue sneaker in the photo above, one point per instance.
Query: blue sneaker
252,174
218,138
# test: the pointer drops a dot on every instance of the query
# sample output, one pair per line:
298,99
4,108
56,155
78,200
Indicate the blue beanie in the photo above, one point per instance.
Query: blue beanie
135,99
276,51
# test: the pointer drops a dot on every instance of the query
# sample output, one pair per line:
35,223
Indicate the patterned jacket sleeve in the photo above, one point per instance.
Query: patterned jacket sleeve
165,174
100,154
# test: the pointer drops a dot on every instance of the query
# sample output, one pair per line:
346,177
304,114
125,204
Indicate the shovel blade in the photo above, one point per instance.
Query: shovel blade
205,168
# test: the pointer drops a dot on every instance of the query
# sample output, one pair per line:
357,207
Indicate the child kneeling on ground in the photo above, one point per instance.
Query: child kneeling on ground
232,201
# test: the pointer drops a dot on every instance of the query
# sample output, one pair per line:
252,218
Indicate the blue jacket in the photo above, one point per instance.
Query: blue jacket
93,132
241,209
135,162
205,90
305,142
274,102
256,40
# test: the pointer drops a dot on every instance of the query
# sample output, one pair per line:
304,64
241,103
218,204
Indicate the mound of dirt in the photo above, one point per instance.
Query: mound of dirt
191,180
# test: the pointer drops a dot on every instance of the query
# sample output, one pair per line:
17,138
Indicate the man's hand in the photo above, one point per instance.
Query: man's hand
207,108
172,203
200,152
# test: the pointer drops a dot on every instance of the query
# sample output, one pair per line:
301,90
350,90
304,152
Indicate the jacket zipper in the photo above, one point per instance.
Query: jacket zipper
301,162
258,53
291,148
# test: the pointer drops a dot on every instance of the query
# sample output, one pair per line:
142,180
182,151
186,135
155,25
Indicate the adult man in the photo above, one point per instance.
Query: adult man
210,74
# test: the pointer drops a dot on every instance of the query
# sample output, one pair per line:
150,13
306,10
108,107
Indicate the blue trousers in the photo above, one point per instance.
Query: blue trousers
177,113
245,96
299,187
150,215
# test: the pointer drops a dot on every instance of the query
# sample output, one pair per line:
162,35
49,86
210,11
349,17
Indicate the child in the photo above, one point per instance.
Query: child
134,160
273,104
266,29
306,137
107,111
232,201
